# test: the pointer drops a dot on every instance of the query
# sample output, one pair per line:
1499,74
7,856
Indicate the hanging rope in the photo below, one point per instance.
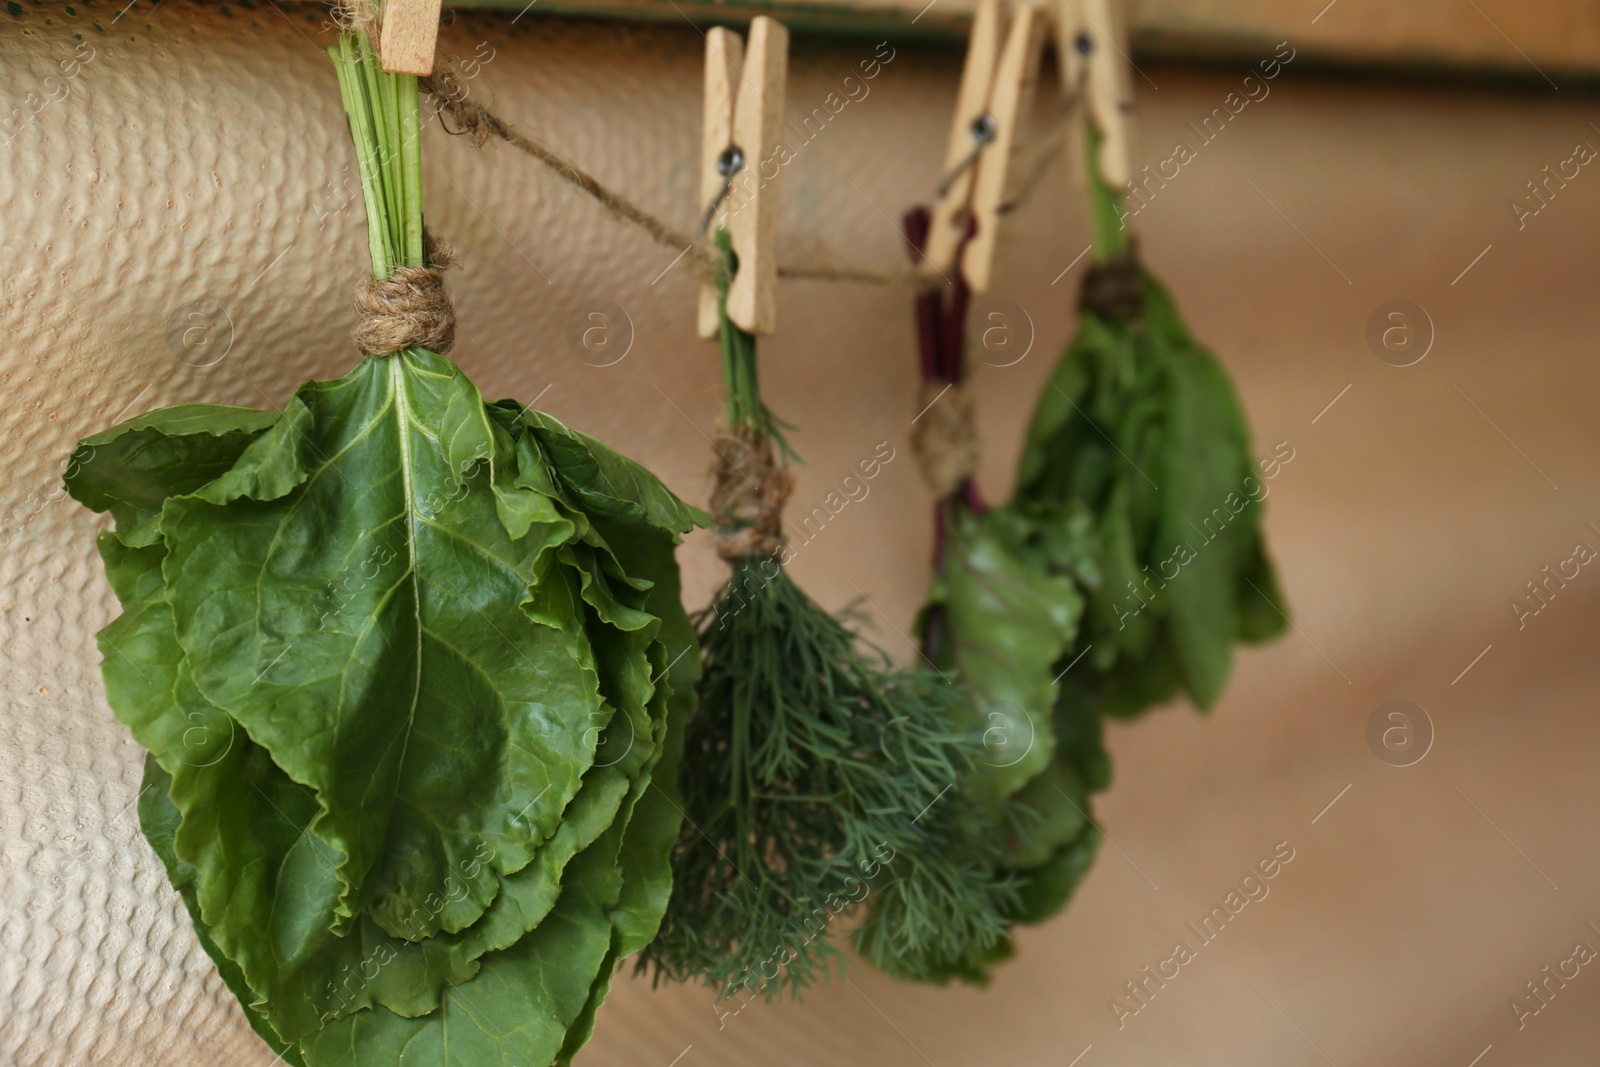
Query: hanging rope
1115,289
447,92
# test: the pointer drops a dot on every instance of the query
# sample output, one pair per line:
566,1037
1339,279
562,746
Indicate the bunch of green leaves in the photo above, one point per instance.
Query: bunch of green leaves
412,671
1125,567
1003,616
1140,427
816,775
999,624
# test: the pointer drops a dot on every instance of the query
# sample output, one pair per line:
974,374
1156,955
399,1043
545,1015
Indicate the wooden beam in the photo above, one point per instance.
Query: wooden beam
1532,41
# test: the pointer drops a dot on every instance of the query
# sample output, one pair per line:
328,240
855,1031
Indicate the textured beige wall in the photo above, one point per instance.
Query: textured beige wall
200,156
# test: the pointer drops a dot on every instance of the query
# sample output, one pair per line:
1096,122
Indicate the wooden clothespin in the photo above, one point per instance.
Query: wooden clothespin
744,91
995,98
409,36
1107,86
1073,45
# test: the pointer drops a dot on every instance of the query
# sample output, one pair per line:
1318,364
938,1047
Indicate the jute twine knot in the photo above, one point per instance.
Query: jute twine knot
408,309
447,88
356,16
1115,289
748,497
945,437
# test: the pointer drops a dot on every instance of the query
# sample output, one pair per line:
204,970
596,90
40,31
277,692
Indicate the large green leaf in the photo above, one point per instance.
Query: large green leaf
1081,767
657,817
1008,624
1204,500
159,820
609,485
517,1009
1054,801
640,860
269,887
131,469
1048,888
417,703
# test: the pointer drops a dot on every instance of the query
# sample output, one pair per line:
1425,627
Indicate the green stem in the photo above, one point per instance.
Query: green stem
742,394
741,378
385,125
1106,210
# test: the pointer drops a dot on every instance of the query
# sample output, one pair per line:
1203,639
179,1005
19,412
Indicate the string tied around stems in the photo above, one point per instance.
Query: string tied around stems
1114,288
408,309
945,437
748,496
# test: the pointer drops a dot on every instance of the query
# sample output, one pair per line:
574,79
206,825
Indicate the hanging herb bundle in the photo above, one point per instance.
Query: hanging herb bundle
406,664
1003,620
1140,428
816,775
1125,567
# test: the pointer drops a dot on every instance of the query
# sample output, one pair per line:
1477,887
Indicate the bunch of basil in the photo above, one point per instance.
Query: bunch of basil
407,665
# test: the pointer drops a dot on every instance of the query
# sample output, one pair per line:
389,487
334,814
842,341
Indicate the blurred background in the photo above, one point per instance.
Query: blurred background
194,169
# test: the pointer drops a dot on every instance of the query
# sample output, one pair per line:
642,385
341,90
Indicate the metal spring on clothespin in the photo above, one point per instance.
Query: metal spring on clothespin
983,130
729,163
992,105
1102,67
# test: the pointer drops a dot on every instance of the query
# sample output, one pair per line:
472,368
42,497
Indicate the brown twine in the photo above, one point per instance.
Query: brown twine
748,497
408,309
356,16
945,437
1115,289
448,92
